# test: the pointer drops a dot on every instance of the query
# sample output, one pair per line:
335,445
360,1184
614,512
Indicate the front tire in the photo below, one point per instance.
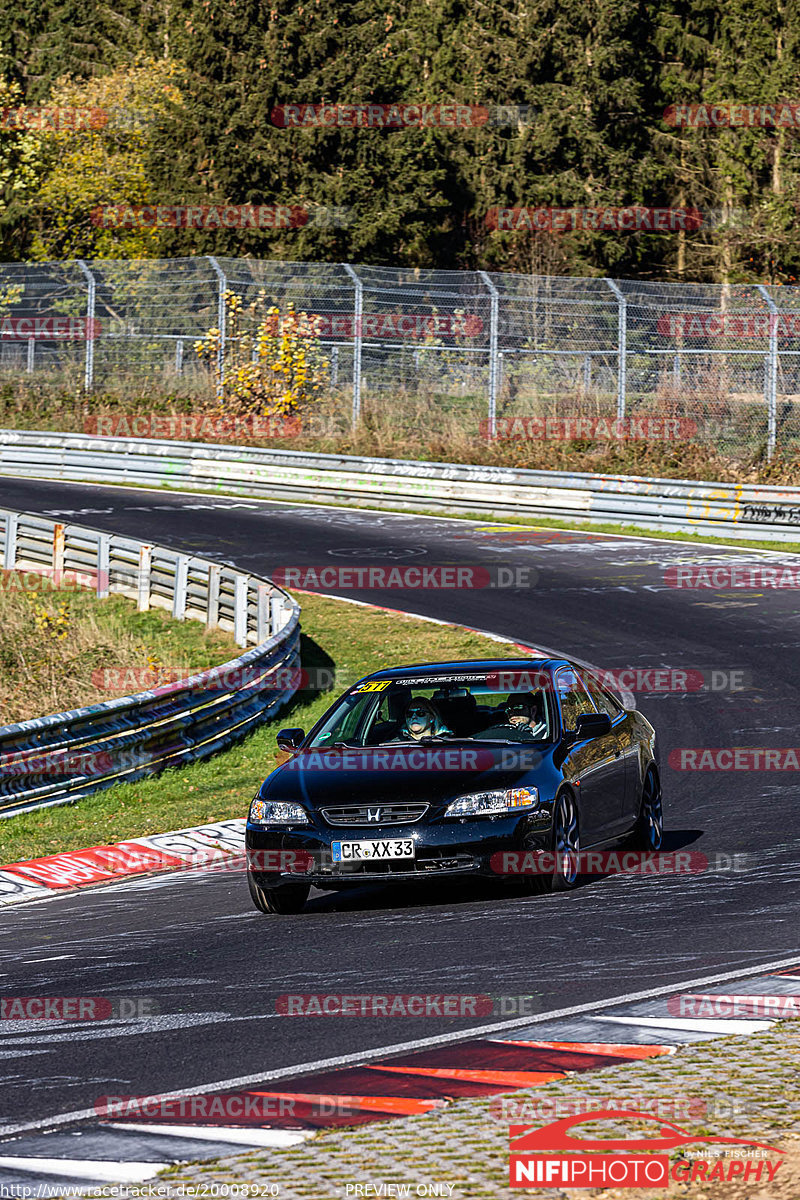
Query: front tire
282,901
566,848
648,832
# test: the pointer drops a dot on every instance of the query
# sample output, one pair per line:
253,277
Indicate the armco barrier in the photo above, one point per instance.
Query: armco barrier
57,759
743,511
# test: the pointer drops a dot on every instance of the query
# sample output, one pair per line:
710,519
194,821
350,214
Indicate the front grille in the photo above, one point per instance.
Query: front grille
375,814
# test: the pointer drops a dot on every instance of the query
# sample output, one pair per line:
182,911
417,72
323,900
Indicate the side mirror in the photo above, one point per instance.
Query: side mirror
290,739
591,725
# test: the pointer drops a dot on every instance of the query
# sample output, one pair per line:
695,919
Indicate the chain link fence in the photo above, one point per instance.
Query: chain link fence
486,351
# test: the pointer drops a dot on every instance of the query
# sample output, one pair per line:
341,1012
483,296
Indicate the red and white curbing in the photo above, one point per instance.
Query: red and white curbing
216,846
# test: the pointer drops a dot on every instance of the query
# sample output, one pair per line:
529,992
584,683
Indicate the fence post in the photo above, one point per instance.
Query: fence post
31,354
221,323
58,552
212,597
622,348
10,548
143,589
88,375
240,610
179,357
359,313
494,363
771,377
180,588
103,567
262,613
276,612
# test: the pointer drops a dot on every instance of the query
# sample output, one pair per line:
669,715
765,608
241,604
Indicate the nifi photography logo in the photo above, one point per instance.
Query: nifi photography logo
551,1156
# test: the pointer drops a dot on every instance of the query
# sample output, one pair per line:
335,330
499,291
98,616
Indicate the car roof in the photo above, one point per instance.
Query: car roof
477,666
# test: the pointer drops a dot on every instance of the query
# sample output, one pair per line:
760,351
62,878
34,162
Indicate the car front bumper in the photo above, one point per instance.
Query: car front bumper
460,847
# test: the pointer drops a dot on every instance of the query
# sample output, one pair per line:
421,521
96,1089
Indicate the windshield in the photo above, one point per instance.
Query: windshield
380,712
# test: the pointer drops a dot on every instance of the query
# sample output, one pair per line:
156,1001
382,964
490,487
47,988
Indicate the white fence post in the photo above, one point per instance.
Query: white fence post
622,348
10,548
494,363
276,614
221,322
771,377
262,613
103,565
181,582
145,568
212,609
88,374
240,610
358,315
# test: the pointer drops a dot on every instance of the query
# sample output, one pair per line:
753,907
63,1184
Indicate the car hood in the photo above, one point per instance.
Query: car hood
404,773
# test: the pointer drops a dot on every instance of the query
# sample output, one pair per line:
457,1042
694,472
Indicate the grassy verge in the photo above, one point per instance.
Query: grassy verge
62,648
435,426
353,642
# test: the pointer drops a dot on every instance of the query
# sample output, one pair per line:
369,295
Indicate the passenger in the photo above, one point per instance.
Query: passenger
421,720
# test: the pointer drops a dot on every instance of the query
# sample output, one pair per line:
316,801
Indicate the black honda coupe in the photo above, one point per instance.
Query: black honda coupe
459,768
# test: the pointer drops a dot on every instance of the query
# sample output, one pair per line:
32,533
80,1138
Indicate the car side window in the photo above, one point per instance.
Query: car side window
573,697
602,701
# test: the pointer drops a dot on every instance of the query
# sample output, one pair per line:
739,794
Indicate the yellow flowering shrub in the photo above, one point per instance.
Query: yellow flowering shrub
275,368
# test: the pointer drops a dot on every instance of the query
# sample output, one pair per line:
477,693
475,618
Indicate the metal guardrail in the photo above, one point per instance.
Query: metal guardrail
60,758
745,511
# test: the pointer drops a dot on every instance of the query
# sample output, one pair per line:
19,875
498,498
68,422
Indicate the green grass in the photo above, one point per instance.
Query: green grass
62,648
353,641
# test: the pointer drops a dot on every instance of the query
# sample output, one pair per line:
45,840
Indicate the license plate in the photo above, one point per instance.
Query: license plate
377,848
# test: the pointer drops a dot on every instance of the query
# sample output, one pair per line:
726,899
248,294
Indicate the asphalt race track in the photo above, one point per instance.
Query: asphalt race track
213,966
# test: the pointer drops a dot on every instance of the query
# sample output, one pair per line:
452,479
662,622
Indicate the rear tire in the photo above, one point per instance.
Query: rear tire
648,832
282,901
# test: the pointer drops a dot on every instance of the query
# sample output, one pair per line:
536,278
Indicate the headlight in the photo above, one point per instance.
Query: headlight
487,804
277,812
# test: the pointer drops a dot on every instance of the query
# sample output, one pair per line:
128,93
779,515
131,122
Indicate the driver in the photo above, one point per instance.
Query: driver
524,720
421,720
